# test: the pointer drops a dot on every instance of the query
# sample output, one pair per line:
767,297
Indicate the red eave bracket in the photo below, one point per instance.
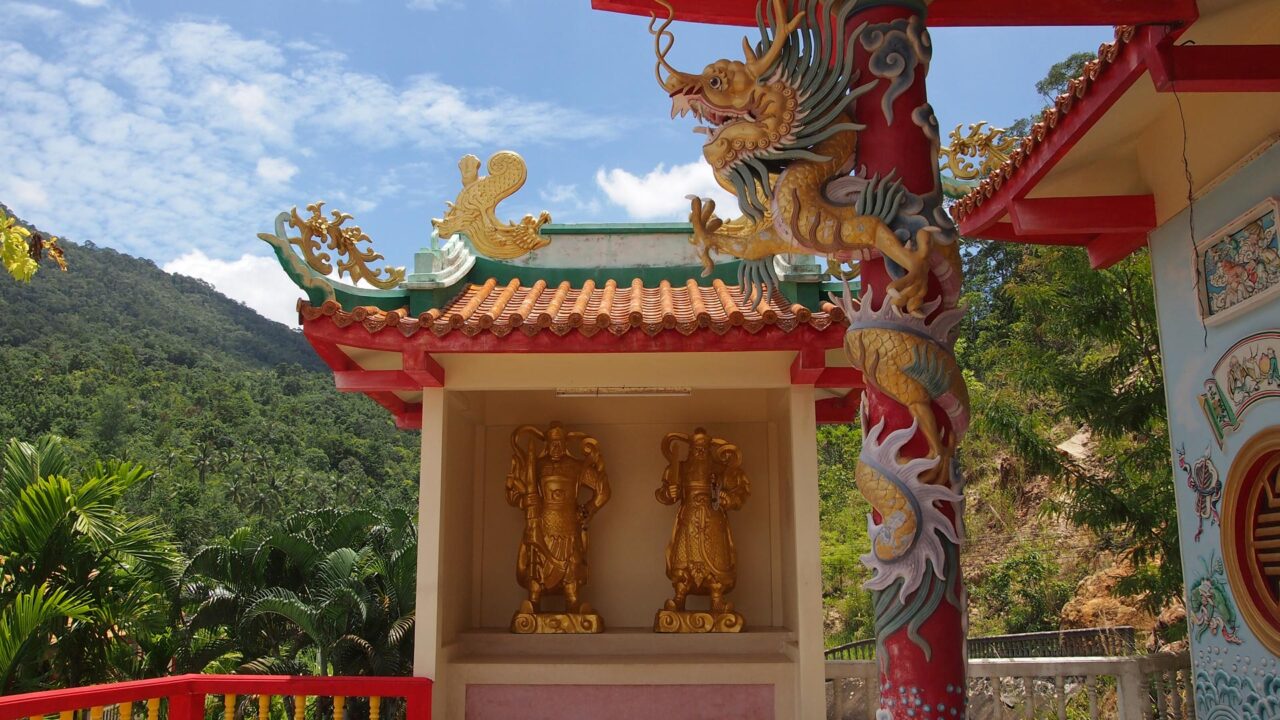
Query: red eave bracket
829,411
1216,68
374,380
1107,250
423,368
1084,215
810,368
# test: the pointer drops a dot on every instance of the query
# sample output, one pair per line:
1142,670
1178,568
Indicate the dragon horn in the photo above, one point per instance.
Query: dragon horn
662,33
758,66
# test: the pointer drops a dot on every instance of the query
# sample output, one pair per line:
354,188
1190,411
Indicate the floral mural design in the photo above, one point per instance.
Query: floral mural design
1245,374
1204,481
1209,605
1242,264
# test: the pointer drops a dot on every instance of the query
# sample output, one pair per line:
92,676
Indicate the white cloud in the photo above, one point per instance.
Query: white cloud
137,131
426,4
29,11
20,192
276,170
90,3
660,193
255,280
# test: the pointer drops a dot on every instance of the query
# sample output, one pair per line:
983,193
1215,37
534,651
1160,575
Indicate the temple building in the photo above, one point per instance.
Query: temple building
618,503
1172,142
612,331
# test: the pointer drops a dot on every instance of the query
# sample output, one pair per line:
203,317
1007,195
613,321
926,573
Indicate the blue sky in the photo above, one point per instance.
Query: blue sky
175,130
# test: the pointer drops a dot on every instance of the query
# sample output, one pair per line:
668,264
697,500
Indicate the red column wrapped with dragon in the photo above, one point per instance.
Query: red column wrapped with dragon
824,134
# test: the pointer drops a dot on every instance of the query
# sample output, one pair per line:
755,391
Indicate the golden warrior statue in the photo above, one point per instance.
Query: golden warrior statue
701,559
547,482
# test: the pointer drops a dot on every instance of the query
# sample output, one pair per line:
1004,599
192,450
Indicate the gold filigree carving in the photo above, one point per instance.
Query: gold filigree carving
692,621
319,234
989,148
473,213
553,623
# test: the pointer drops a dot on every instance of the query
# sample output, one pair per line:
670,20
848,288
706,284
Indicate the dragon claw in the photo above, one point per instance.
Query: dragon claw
758,280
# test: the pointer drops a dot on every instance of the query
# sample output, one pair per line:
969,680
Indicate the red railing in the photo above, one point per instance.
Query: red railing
183,697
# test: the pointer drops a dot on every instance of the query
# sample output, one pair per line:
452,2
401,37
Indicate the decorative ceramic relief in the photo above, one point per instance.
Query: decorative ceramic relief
1245,374
1240,264
1209,605
1204,481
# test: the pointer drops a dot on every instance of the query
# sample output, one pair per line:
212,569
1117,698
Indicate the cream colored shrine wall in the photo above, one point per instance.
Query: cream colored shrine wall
780,409
628,537
457,524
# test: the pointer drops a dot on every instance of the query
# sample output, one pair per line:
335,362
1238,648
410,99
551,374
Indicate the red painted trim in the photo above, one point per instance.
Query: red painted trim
949,13
1216,68
366,380
1004,232
1084,215
808,366
186,693
322,331
408,416
1116,78
330,353
423,368
1107,250
840,377
829,411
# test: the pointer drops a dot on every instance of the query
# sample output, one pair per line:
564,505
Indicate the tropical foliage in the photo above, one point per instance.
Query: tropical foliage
91,593
86,584
234,414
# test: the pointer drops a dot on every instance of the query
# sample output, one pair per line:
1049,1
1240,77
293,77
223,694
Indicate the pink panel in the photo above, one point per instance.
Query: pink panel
620,702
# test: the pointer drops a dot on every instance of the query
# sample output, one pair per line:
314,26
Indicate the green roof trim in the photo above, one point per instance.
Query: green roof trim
675,274
617,229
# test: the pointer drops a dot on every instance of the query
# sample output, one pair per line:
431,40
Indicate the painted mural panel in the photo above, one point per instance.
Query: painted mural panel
1247,373
1241,263
1223,391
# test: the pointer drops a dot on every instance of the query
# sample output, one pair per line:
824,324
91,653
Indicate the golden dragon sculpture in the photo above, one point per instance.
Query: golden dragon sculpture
780,134
473,213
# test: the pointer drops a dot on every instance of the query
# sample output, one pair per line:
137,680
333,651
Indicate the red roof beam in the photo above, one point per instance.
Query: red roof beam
374,380
1216,68
1084,215
422,368
1107,250
1004,232
840,377
950,13
829,411
408,416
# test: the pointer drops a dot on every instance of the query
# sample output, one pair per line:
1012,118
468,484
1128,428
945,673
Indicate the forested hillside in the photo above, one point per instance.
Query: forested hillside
234,413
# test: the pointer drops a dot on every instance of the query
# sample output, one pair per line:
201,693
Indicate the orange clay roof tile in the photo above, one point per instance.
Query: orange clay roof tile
588,310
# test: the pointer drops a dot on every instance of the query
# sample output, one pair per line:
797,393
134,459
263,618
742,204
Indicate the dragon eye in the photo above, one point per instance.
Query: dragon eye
715,82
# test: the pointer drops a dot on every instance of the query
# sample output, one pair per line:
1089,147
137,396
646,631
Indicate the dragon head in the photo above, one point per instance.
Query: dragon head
740,107
772,106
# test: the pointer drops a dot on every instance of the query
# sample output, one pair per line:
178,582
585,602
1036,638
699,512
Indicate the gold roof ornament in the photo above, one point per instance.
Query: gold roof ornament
473,213
990,148
318,233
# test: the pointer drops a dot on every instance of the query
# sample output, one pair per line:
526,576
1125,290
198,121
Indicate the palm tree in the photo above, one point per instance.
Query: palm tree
81,576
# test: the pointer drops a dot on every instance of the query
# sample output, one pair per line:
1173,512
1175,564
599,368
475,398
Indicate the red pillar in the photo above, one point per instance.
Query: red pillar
922,653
